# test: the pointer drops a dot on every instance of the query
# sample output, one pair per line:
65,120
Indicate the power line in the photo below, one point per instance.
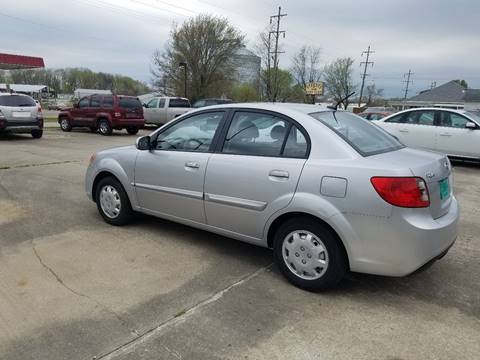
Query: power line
366,63
276,33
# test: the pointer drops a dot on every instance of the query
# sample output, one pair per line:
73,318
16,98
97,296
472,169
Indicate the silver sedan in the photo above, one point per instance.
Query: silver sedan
328,191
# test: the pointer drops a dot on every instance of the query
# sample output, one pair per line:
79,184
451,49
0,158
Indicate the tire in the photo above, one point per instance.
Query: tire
309,255
65,124
104,127
37,134
132,130
112,202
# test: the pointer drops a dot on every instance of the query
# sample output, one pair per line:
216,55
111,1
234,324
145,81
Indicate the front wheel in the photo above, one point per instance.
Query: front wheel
112,202
37,134
104,127
309,254
132,130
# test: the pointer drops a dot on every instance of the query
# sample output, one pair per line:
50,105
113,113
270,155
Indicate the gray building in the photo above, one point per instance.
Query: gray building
449,95
247,66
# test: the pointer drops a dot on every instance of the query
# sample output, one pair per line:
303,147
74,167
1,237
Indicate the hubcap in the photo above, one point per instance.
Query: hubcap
103,127
110,201
305,254
64,124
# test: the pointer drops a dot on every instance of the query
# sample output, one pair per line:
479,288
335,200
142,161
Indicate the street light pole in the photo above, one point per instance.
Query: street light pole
184,65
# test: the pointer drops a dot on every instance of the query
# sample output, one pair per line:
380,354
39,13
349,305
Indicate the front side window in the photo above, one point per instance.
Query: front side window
96,101
152,104
365,137
161,103
253,133
192,134
449,119
84,103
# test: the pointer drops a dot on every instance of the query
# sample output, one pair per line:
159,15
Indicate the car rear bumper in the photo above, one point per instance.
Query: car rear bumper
19,127
123,123
402,243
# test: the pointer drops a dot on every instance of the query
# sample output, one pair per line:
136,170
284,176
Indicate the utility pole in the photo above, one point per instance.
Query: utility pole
276,33
269,66
433,85
408,81
366,63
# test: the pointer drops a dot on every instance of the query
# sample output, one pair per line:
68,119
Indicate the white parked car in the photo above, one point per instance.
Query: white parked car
452,132
160,110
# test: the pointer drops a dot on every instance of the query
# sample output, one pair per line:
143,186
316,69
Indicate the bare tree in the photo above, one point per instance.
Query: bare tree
306,65
206,44
338,78
374,95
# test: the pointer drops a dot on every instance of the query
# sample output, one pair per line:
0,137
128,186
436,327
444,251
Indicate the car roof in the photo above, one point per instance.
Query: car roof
458,111
276,107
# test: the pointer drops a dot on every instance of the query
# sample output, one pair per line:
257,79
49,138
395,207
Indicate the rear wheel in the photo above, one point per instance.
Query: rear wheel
112,202
132,130
104,127
37,134
65,124
309,254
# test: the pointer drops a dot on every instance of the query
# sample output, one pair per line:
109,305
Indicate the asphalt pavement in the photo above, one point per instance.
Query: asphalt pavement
73,287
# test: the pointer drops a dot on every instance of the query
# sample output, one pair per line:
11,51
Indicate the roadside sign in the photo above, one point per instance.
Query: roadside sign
314,88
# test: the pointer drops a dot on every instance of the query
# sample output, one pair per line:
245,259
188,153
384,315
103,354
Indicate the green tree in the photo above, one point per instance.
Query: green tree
338,78
462,83
244,93
207,44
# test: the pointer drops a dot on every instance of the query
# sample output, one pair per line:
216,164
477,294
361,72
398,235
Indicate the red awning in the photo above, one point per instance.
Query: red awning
11,62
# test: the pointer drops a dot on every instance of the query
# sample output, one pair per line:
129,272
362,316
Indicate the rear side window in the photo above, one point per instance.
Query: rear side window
129,103
253,133
296,145
363,136
108,101
17,101
179,103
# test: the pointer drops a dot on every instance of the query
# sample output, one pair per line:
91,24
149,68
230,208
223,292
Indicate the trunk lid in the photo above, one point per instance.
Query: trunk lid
434,168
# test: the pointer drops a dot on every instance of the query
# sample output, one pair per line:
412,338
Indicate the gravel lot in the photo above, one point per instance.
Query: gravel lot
73,287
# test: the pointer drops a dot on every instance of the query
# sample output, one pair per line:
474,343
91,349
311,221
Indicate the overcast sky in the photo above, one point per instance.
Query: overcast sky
438,40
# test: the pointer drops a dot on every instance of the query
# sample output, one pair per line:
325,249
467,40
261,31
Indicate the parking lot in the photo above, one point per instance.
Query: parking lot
73,287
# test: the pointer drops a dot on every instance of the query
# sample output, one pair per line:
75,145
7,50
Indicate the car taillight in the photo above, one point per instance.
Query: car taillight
408,192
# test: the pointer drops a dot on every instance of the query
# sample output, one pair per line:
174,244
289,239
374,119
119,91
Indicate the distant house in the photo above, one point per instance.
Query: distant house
449,95
35,91
79,93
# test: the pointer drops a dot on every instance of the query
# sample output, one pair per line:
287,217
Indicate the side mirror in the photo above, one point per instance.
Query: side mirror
470,125
75,104
143,143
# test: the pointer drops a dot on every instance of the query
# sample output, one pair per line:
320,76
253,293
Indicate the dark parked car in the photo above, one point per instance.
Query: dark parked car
104,113
208,102
20,114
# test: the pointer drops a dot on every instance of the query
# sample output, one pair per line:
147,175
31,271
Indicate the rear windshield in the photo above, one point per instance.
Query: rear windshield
17,101
363,136
179,103
130,103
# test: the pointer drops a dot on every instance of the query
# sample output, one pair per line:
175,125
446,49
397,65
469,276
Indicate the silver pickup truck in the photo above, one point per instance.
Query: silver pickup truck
160,110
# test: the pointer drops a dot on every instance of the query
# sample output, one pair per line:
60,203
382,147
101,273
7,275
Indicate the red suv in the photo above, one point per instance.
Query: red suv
104,113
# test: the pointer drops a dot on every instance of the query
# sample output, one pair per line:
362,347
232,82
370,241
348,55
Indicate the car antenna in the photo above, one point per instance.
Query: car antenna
335,107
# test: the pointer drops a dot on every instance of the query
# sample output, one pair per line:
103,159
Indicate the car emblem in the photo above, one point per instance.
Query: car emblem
430,175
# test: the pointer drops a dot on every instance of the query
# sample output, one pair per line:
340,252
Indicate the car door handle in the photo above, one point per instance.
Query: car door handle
279,174
445,134
403,130
192,165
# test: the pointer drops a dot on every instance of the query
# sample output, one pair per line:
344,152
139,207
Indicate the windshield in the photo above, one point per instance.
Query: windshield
475,115
17,101
363,136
